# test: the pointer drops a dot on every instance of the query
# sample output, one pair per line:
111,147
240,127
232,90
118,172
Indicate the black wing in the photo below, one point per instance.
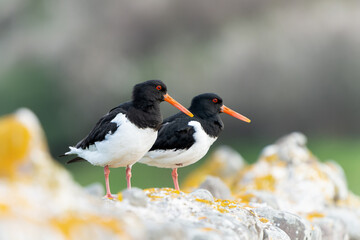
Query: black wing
103,127
175,134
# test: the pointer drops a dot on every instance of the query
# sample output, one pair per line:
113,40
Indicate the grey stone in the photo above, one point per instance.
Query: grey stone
216,187
350,219
135,197
95,189
264,197
294,226
331,228
202,194
231,160
316,233
271,232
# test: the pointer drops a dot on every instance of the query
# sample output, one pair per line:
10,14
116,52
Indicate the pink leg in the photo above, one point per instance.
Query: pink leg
107,172
174,175
128,176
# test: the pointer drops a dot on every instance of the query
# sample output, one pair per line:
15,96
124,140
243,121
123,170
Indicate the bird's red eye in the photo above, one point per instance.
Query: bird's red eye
158,87
215,100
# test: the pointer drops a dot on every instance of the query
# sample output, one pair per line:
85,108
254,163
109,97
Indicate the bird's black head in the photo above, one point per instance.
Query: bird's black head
206,104
209,105
150,91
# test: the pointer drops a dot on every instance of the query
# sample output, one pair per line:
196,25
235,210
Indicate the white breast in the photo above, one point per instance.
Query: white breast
124,147
181,158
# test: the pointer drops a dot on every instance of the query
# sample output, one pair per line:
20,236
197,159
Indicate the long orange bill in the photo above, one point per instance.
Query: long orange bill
231,112
177,105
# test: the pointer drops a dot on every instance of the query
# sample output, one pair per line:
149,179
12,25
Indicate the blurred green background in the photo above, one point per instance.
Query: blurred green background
287,65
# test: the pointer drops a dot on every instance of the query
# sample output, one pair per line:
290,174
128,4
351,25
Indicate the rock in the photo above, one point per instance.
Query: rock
290,179
216,187
349,218
289,171
39,195
224,163
95,189
135,196
286,194
294,226
271,232
202,194
263,197
331,228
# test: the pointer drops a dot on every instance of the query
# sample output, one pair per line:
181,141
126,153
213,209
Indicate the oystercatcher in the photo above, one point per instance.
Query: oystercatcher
127,132
183,140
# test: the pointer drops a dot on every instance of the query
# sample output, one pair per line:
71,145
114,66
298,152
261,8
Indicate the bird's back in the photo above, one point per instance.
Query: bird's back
104,126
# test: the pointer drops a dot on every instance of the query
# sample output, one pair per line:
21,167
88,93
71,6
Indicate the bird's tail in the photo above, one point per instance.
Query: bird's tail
71,152
77,159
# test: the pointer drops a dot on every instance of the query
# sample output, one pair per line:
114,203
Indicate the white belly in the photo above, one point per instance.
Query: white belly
122,148
181,158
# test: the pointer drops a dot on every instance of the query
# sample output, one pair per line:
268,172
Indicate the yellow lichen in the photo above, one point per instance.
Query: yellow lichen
154,197
264,220
203,201
224,206
4,208
120,196
319,172
245,197
72,221
272,158
235,185
266,182
14,145
158,193
194,179
313,215
166,191
207,229
170,191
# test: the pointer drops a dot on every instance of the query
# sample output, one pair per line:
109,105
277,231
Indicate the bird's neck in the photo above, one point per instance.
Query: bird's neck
145,114
212,124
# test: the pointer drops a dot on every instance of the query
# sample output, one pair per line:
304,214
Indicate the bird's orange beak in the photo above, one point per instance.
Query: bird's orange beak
231,112
177,105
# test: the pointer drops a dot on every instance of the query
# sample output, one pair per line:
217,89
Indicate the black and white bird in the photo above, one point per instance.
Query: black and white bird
183,140
127,132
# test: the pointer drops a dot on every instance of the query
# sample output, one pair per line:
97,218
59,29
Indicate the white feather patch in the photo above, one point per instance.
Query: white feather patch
124,147
183,157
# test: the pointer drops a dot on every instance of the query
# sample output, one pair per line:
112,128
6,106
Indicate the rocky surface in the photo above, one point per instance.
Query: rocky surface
286,194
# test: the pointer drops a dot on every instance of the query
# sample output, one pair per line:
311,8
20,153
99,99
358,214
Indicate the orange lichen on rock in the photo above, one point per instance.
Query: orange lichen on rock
14,145
271,158
195,178
266,182
4,208
119,196
73,222
204,201
159,193
313,215
244,197
207,229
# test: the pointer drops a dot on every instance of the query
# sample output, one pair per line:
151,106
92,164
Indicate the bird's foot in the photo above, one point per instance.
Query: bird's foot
110,196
